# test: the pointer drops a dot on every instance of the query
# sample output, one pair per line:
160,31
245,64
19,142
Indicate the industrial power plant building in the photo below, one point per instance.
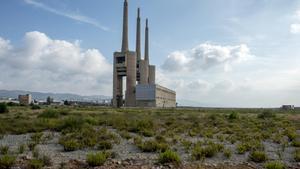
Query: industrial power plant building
141,89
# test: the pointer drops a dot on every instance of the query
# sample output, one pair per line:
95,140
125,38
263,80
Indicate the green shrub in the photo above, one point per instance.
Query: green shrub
169,157
105,145
35,164
4,150
46,160
96,159
227,153
72,123
37,137
258,156
49,113
274,165
3,108
200,153
125,135
35,107
233,115
297,155
153,146
296,143
70,145
32,145
36,153
7,161
21,148
266,114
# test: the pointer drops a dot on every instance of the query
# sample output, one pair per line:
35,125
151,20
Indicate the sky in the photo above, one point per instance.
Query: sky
225,53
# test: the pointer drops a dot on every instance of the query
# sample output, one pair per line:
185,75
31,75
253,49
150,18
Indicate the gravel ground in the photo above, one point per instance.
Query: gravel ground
129,156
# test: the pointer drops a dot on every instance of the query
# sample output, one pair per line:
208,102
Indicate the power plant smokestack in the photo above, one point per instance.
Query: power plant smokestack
138,36
147,42
125,28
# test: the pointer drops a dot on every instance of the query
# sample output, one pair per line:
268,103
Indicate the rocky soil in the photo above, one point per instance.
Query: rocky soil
129,156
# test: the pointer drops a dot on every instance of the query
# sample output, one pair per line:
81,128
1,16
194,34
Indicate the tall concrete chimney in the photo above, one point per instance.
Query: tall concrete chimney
147,42
138,36
125,28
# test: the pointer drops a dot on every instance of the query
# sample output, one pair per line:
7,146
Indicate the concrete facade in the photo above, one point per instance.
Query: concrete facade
155,96
129,64
25,99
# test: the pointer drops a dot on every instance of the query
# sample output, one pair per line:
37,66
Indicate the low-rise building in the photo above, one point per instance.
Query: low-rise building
25,99
288,107
155,96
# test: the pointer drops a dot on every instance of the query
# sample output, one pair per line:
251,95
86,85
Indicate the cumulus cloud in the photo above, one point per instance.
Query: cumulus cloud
42,63
206,56
295,28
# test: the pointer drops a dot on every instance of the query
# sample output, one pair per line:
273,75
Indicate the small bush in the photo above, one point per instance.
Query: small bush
169,157
36,137
35,107
274,165
266,114
3,108
4,150
70,145
258,156
297,155
153,146
233,115
227,153
96,159
35,164
72,123
21,148
46,160
125,135
296,143
105,145
49,113
7,161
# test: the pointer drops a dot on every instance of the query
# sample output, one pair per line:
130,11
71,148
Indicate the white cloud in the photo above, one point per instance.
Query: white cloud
206,56
295,28
70,15
46,64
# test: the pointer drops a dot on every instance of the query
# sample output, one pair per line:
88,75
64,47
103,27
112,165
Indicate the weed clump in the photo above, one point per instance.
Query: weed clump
153,146
70,145
97,159
258,156
227,153
35,164
3,108
274,165
105,145
49,113
208,151
169,156
7,161
297,155
4,150
266,114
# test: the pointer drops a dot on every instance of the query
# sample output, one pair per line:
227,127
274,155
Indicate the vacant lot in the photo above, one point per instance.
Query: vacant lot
87,137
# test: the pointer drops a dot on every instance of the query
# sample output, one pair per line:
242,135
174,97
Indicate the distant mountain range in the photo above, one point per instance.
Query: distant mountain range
55,96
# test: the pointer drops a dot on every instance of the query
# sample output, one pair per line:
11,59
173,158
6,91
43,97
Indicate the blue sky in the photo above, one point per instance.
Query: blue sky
235,53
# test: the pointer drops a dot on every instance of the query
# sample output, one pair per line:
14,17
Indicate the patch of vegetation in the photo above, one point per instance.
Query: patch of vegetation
21,148
35,107
297,155
35,164
227,153
36,137
233,115
153,146
97,159
266,114
296,143
169,156
50,113
206,151
105,145
4,150
3,108
7,161
258,156
274,165
70,145
125,134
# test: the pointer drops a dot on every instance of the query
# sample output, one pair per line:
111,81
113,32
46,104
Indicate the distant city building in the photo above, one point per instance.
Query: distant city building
288,107
25,99
130,64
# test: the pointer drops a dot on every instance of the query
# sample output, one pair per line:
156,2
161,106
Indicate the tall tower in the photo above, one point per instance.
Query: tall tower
125,28
138,36
125,65
147,41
